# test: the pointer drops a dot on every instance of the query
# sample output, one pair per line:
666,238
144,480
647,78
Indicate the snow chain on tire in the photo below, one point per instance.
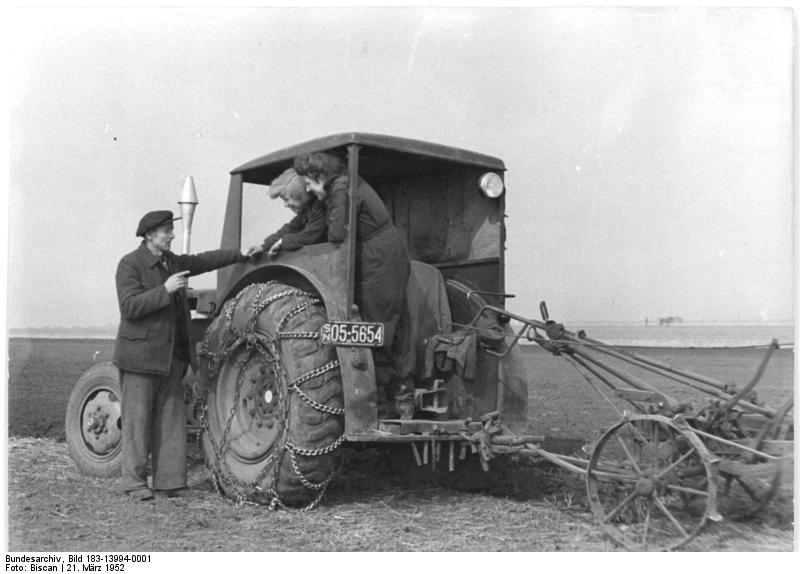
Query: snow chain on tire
240,344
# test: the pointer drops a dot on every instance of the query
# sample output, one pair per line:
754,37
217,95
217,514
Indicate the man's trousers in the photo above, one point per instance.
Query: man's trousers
154,425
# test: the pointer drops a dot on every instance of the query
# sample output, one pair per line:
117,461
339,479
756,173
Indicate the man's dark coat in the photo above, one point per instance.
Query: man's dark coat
146,337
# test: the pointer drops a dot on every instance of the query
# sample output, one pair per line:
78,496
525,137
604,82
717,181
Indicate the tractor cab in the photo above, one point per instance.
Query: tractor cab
448,205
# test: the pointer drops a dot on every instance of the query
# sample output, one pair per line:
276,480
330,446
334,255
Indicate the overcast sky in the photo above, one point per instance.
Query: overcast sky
649,151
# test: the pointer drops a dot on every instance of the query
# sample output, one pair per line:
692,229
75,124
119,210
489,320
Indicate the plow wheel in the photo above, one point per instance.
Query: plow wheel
272,417
651,483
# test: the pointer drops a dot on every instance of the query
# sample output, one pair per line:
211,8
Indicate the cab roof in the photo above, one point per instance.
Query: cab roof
381,158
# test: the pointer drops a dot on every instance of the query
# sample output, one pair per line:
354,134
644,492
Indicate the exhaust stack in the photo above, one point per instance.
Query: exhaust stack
188,203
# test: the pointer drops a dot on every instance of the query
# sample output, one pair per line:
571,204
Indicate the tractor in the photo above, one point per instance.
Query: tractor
288,377
287,374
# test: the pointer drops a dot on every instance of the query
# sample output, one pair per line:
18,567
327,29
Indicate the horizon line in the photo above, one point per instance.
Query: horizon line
628,322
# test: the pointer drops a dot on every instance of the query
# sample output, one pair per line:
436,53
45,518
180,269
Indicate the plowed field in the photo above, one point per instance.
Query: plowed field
379,502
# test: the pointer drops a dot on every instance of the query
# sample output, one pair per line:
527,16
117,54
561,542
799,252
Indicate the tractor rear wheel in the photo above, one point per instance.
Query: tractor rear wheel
273,415
93,422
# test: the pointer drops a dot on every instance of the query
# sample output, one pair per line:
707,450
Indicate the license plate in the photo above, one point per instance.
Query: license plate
346,333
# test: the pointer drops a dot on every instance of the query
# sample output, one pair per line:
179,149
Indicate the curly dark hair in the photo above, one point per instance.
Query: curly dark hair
323,166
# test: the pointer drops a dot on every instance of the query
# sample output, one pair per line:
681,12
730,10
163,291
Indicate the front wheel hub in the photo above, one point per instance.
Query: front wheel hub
102,422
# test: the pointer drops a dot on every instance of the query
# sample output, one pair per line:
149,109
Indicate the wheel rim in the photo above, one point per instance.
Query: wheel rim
101,423
249,404
649,484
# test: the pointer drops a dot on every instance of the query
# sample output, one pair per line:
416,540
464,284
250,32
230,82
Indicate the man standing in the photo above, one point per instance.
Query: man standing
153,352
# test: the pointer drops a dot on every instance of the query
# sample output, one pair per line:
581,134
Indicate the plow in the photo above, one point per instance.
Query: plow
666,467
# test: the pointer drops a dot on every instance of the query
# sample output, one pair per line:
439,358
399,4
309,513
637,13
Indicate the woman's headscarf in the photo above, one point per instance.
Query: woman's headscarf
288,184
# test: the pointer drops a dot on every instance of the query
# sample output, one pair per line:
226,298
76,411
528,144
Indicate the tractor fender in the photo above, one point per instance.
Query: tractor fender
356,364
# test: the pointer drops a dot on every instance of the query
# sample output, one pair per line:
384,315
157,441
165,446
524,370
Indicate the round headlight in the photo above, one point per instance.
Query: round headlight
491,185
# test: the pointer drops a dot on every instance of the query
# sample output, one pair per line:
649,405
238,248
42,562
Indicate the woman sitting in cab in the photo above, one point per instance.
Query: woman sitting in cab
306,228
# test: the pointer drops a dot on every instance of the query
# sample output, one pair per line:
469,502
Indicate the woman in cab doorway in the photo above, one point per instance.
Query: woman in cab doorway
382,269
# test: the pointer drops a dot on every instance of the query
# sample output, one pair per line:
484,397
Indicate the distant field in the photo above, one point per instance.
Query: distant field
43,371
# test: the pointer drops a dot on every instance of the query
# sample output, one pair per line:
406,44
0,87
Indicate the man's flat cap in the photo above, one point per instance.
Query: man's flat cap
152,220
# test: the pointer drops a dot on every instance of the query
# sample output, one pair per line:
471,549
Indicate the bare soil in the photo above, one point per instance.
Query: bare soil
379,501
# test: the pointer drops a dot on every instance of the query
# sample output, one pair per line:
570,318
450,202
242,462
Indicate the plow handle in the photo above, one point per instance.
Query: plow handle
749,386
543,311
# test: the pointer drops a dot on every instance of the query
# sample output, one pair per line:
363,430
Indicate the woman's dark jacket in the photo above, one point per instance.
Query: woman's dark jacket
306,228
382,262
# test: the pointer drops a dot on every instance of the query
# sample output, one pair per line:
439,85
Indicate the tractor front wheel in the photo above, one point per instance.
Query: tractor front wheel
93,422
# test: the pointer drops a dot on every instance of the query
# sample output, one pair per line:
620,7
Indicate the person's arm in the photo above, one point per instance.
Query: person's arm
296,225
313,231
209,260
134,300
338,210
